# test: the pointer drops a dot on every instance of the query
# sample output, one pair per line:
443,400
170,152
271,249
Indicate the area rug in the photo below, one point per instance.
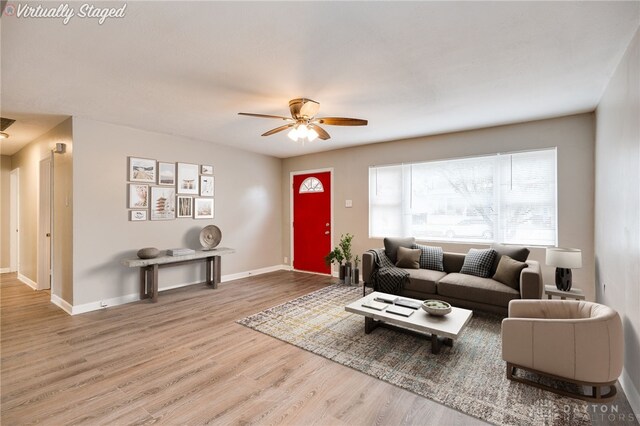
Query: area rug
469,377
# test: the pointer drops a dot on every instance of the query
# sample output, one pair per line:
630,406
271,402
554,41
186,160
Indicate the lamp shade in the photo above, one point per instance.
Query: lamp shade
564,257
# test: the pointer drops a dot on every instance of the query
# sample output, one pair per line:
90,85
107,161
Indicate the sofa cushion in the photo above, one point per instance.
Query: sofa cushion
508,272
476,289
391,246
430,257
408,258
515,252
478,262
423,280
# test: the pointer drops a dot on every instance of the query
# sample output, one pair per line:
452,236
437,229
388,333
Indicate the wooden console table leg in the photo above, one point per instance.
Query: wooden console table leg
216,271
370,324
143,282
208,270
435,344
154,283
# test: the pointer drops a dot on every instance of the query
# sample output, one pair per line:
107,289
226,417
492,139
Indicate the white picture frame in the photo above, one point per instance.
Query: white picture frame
138,196
203,208
188,179
166,173
207,186
206,170
162,203
142,170
137,215
184,206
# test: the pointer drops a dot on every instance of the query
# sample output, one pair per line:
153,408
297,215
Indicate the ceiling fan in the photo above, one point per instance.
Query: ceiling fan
304,123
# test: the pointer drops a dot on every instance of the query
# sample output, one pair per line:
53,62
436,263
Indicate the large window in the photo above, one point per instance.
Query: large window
508,198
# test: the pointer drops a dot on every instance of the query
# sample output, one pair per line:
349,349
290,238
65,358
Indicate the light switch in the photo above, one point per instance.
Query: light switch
348,203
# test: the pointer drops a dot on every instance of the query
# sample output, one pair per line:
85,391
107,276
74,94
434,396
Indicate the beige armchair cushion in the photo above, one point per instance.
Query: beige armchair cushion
578,340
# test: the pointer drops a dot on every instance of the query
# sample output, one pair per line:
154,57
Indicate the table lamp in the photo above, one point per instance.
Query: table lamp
564,259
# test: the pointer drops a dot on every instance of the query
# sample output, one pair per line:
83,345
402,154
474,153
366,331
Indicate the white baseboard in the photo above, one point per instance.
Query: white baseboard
134,297
232,277
5,270
631,392
62,304
102,304
27,281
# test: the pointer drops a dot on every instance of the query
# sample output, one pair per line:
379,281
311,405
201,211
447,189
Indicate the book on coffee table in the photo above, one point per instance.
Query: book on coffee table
408,303
372,304
399,310
386,298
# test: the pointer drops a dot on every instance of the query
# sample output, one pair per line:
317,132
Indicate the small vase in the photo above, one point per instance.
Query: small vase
341,273
348,273
356,276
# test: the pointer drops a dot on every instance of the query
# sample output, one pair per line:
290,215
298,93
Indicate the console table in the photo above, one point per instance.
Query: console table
574,293
149,268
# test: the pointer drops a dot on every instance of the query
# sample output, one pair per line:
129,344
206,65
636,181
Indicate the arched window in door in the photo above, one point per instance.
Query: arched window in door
311,184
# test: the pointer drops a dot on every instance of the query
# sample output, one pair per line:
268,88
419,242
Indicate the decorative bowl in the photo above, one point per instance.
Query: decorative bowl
148,253
436,307
210,237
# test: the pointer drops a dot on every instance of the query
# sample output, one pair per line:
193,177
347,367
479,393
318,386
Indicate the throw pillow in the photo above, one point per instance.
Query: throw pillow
430,257
408,258
478,262
509,272
515,252
391,246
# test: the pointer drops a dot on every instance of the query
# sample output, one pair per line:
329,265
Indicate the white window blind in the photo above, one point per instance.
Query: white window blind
508,198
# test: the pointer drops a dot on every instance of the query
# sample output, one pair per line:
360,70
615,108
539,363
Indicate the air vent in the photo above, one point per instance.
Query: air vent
5,122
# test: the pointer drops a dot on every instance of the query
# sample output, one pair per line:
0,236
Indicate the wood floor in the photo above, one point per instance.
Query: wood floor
184,360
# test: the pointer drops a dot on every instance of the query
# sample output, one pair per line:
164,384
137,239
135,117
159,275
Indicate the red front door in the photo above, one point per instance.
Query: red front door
311,221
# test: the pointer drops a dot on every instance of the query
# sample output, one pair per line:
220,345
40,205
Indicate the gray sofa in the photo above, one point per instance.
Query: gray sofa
461,290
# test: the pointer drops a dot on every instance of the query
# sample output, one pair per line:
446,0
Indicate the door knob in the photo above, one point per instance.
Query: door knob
326,232
48,234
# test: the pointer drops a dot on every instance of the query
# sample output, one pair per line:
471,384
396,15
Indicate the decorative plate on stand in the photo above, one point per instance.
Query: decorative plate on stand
210,237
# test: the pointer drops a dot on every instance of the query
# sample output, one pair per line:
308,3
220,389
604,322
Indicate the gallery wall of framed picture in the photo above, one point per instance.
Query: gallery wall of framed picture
161,190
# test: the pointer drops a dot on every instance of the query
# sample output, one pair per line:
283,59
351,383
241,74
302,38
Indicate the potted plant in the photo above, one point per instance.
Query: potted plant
356,271
336,256
345,247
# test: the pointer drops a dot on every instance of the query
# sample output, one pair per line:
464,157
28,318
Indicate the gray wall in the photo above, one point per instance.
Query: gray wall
617,206
573,135
247,209
5,169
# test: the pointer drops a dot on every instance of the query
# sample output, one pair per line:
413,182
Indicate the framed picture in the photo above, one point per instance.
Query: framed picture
137,215
203,208
142,170
166,173
138,196
206,186
185,206
188,178
163,200
206,170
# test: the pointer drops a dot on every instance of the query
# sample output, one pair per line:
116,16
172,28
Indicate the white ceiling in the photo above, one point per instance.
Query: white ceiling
410,68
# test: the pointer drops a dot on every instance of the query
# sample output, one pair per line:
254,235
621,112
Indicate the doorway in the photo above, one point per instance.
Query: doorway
312,220
14,220
44,225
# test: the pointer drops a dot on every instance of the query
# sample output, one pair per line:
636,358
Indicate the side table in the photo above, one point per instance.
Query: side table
574,293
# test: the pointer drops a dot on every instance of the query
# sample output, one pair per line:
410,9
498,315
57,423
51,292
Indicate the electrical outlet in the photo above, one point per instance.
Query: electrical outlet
103,304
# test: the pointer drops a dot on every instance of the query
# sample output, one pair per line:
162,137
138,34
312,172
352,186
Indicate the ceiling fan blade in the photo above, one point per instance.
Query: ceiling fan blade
322,134
341,121
278,129
266,116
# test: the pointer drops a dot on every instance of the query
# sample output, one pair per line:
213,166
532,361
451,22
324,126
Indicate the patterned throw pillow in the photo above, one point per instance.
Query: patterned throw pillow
478,262
430,257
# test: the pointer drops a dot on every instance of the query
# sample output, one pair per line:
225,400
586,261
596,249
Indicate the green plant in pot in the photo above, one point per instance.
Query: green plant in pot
345,246
336,256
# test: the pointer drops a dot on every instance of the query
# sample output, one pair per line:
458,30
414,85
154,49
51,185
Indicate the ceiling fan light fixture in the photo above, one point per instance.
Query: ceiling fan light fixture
293,134
303,131
312,135
4,135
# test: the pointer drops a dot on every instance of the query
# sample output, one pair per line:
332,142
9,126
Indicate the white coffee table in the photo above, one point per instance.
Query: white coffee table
443,330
